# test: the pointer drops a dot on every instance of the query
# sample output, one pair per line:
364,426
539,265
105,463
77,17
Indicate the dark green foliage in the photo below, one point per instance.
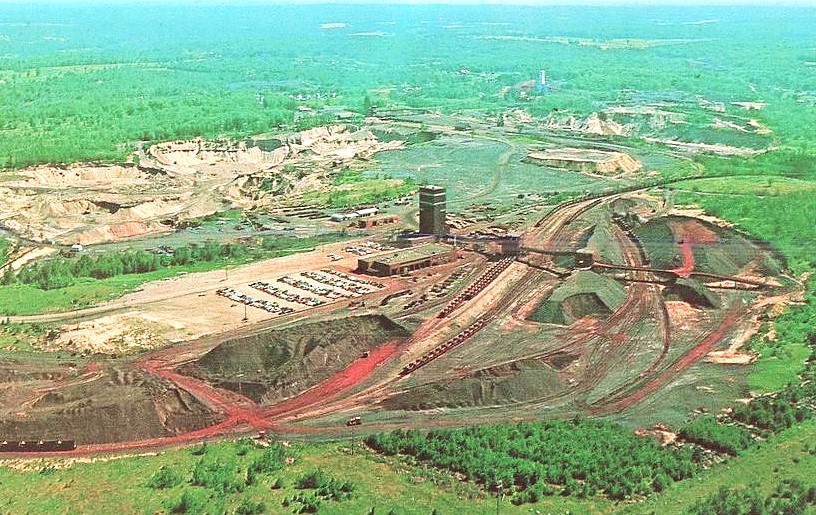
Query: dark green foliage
778,411
708,432
63,271
164,478
243,446
309,502
191,501
200,450
791,497
271,459
248,507
325,487
582,456
219,475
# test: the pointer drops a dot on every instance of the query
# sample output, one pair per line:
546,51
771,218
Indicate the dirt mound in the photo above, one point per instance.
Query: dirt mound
503,384
693,293
583,294
108,177
115,334
113,405
278,364
586,160
716,250
593,124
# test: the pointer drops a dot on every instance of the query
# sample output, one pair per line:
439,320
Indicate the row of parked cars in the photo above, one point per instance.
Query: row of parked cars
243,298
355,289
311,288
352,278
286,295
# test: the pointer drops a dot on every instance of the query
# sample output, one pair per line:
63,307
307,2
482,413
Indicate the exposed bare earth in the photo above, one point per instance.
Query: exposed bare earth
174,182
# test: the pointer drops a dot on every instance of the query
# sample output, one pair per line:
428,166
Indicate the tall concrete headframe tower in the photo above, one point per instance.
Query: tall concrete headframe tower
432,210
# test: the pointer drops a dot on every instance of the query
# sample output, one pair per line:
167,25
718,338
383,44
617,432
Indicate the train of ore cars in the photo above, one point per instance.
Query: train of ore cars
37,445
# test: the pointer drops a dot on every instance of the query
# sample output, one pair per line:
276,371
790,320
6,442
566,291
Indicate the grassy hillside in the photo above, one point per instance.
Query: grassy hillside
123,486
129,485
788,455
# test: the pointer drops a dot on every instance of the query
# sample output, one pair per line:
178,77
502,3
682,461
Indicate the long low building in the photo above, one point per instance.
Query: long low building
407,260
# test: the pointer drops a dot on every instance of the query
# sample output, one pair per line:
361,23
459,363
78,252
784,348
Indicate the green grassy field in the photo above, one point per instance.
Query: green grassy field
23,299
120,486
784,456
777,366
747,185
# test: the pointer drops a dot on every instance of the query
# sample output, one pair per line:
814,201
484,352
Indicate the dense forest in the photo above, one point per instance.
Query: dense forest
74,92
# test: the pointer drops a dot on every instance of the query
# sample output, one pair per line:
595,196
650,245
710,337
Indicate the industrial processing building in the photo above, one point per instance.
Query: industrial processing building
432,210
408,260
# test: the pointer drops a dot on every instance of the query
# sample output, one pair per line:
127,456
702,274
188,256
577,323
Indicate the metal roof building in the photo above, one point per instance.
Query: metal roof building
403,261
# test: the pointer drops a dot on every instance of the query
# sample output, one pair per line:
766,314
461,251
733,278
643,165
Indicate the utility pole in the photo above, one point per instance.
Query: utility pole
351,423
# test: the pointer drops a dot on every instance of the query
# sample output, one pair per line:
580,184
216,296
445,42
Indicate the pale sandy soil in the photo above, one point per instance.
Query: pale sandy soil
187,307
683,315
175,181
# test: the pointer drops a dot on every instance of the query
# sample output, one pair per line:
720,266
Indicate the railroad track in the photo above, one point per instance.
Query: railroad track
474,289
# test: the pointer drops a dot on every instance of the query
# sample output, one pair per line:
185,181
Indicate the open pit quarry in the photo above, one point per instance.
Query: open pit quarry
174,182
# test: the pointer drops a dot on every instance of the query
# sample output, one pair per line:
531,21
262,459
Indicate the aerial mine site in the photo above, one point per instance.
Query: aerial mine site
446,304
275,257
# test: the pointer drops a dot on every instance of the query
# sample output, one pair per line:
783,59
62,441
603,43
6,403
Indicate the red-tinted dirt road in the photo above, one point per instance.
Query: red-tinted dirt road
687,267
692,356
340,382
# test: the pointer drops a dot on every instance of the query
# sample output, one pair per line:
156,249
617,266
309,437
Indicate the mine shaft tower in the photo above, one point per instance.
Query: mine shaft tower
432,210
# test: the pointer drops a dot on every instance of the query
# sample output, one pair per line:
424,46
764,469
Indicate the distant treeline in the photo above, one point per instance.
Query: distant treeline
63,271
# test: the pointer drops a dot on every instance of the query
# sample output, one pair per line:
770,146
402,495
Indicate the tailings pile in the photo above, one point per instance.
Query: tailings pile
583,294
519,381
95,406
278,364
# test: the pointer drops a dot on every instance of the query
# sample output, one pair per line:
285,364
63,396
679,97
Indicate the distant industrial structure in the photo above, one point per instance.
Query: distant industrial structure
432,210
541,84
353,215
377,221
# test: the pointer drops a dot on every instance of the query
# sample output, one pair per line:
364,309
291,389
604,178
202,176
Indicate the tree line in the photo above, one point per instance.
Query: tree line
63,271
578,458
